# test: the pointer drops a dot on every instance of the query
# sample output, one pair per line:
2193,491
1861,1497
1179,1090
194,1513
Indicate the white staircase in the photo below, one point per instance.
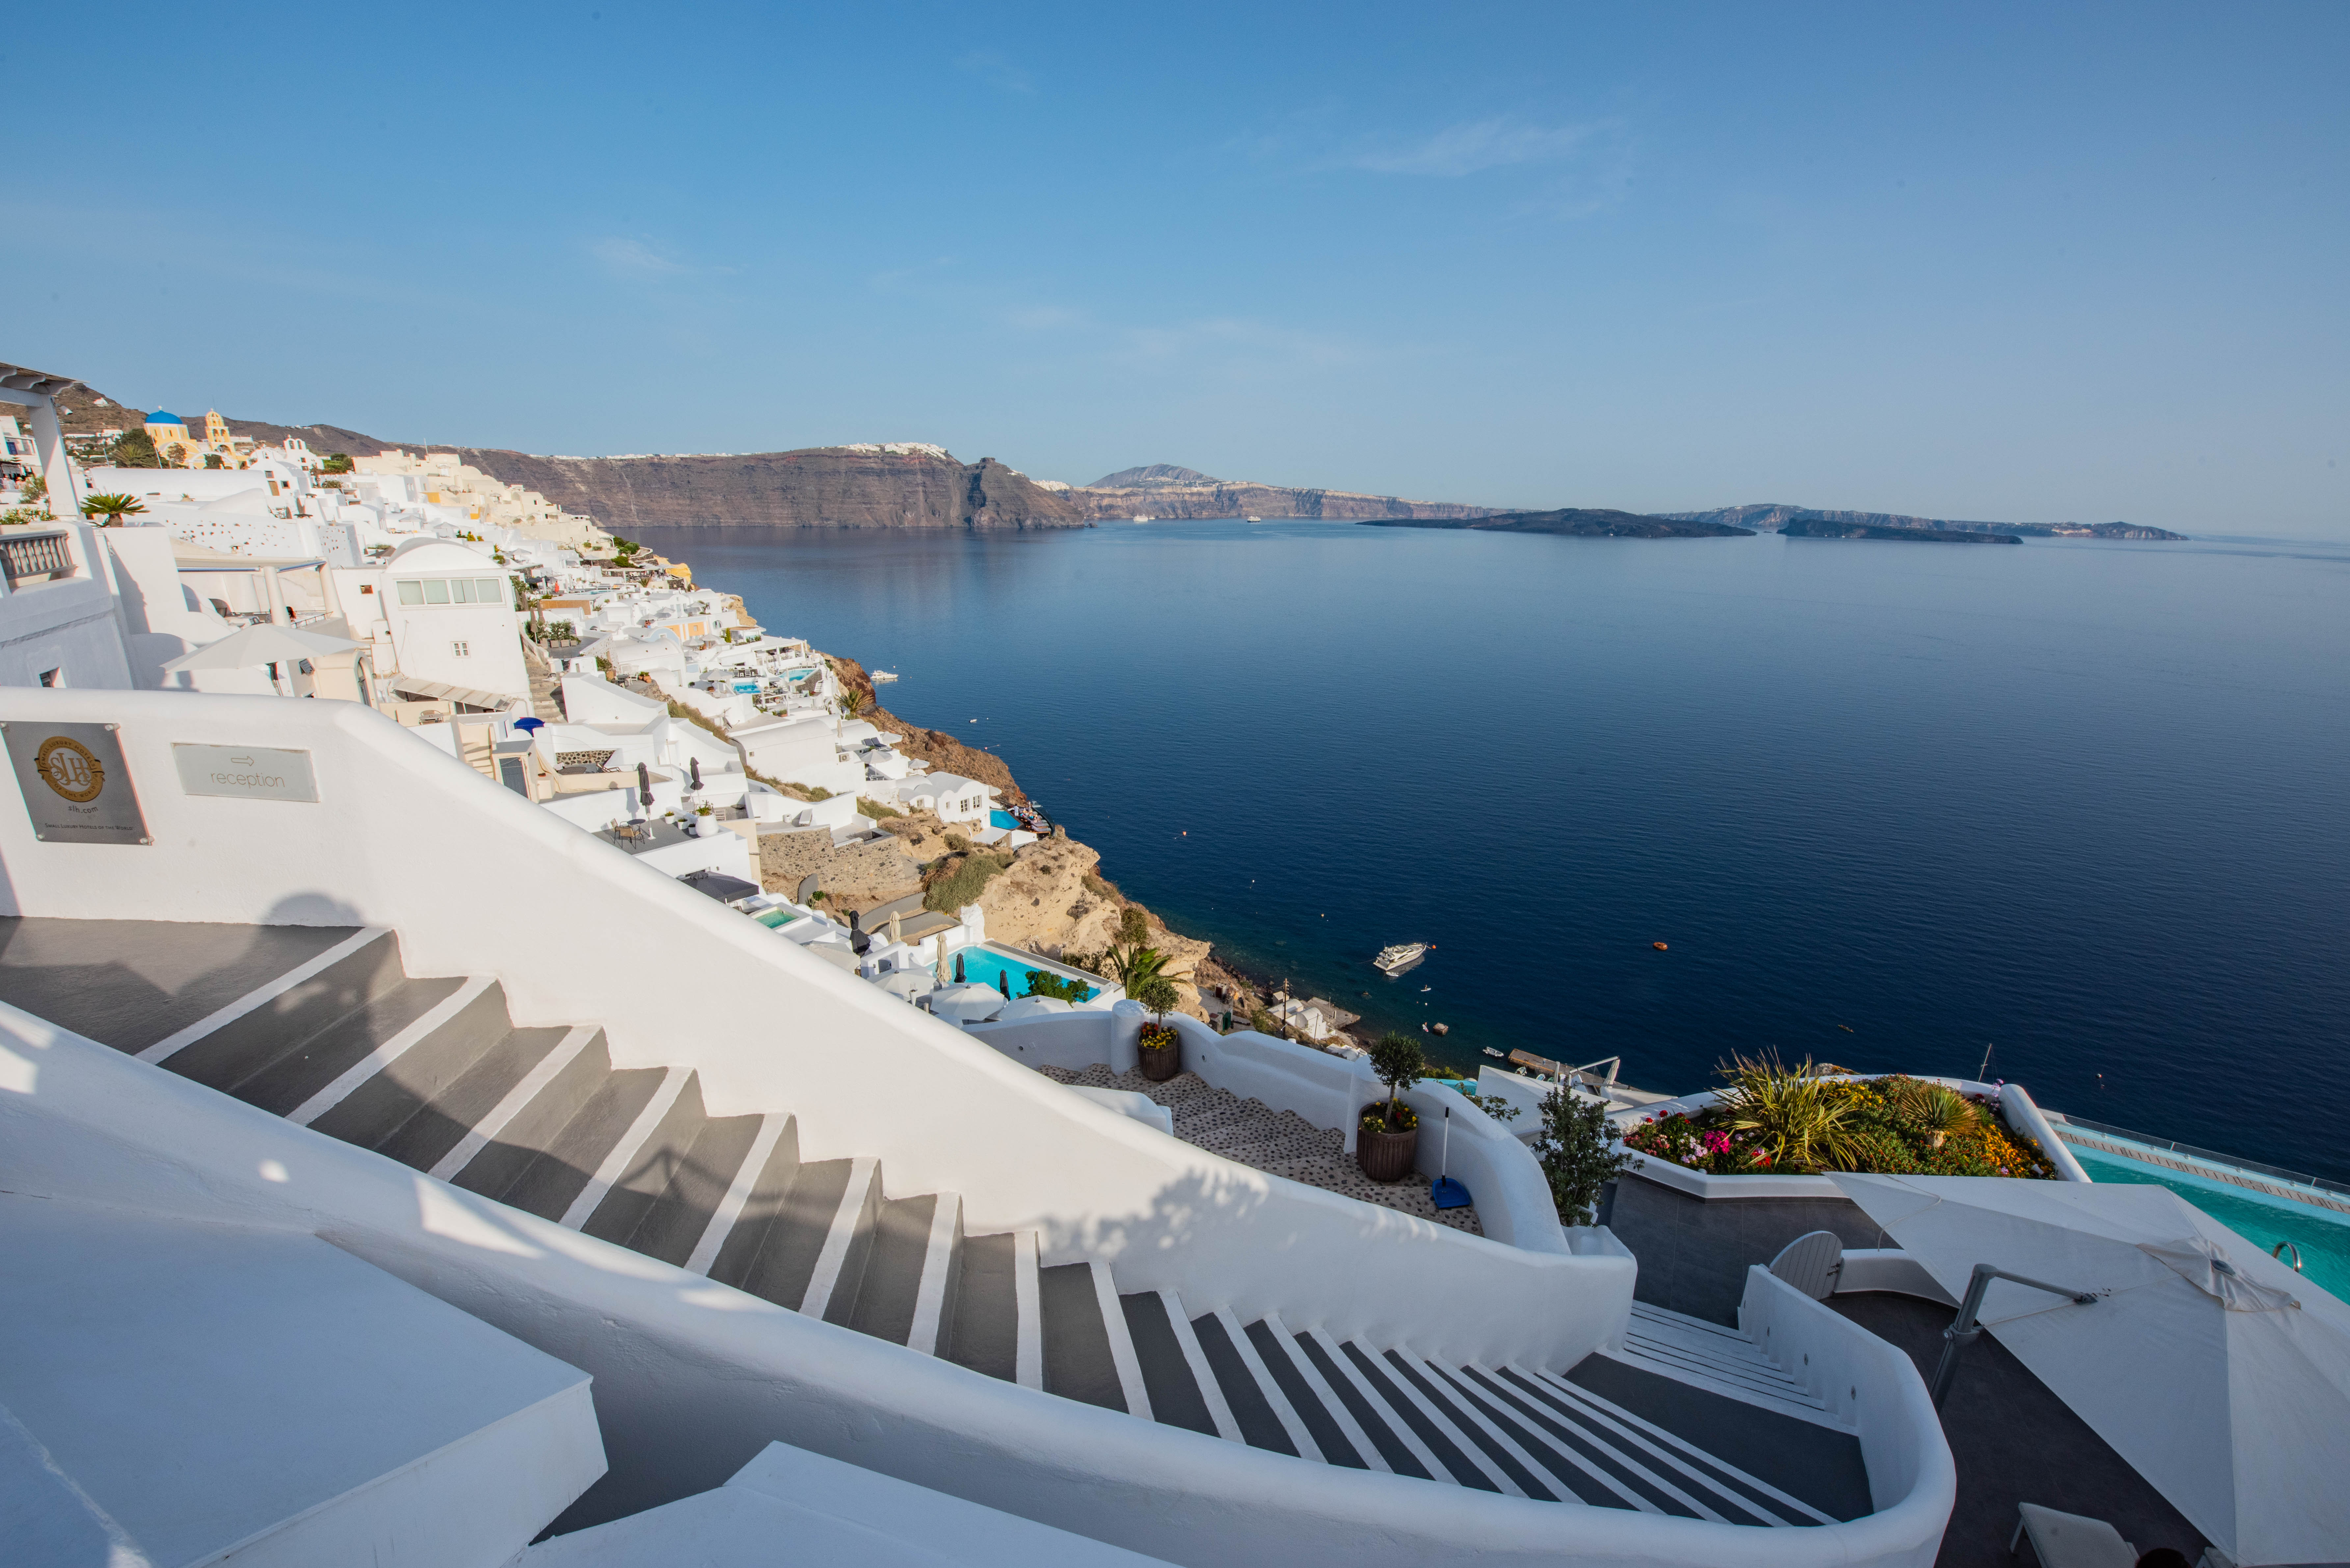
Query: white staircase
1721,1359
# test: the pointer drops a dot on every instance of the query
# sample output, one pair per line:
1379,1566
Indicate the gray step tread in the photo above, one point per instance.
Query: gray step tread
305,1068
562,1171
650,1169
1327,1435
500,1163
986,1324
1462,1413
1374,1422
1078,1363
673,1224
442,1123
381,1107
1546,1416
795,1237
1259,1426
893,1271
1820,1464
1167,1377
129,984
761,1210
1381,1375
245,1044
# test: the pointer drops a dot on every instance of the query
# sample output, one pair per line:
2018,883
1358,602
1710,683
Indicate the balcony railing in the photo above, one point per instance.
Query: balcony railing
42,555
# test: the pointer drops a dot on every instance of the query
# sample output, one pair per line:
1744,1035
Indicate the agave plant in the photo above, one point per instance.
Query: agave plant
1936,1110
1800,1119
1135,966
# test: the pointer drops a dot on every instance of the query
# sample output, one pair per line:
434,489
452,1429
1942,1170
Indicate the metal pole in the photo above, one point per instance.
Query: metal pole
1964,1329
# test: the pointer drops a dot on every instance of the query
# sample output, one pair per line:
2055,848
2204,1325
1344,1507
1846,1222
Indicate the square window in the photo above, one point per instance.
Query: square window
460,650
412,593
485,591
436,591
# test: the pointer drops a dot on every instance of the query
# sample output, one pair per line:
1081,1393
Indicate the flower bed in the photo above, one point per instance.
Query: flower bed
1773,1122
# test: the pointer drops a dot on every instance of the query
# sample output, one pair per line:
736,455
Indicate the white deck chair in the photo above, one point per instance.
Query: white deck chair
1811,1263
2071,1540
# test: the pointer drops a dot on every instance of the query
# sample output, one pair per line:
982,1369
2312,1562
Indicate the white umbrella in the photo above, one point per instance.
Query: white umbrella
968,1003
2221,1376
259,645
1031,1007
906,985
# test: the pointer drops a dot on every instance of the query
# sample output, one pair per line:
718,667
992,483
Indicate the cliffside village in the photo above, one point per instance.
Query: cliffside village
596,680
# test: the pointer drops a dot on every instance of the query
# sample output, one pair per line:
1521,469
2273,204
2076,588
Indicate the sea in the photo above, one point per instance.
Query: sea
2074,813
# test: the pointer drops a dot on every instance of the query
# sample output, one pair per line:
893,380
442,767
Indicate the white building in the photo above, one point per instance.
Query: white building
950,796
442,617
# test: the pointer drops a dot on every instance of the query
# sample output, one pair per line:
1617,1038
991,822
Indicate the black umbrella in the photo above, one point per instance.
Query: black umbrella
959,974
645,789
1004,986
697,773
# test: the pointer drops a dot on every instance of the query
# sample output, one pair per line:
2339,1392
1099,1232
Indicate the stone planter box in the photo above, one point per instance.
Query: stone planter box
1164,1062
1386,1155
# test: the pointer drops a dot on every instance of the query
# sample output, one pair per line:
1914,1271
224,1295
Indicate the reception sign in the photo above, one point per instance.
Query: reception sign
246,772
76,787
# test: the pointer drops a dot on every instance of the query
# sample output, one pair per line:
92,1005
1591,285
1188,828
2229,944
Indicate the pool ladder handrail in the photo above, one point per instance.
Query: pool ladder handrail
2282,1248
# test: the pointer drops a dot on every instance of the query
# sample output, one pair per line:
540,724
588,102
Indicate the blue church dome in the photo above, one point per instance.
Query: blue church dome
159,417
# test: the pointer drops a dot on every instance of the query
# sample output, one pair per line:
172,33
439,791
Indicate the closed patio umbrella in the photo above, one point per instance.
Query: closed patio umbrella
259,645
2219,1374
644,789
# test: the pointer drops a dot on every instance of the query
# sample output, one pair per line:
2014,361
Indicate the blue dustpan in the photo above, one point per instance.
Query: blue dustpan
1448,1193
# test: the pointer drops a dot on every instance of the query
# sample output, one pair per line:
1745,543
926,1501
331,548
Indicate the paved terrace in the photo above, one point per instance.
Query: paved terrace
1279,1143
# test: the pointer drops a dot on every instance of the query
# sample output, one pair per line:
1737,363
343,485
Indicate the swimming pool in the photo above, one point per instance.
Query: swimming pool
985,966
775,918
2321,1235
1002,819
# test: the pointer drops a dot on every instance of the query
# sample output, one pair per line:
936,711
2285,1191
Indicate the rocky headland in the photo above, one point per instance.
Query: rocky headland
1767,516
1828,528
1576,522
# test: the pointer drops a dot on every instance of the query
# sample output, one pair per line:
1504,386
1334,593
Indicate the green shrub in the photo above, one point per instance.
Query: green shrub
1041,984
1400,1062
964,882
1158,995
875,810
1572,1151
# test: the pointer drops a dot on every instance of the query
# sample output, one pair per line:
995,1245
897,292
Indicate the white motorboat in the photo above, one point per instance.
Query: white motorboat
1401,956
882,675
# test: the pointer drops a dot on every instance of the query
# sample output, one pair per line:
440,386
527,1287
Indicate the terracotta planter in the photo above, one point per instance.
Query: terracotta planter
1164,1062
1386,1155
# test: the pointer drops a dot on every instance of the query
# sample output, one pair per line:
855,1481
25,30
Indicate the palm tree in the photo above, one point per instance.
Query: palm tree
113,507
1135,966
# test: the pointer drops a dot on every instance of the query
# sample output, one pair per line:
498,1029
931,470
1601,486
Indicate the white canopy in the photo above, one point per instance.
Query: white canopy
259,645
971,1002
2221,1376
906,985
1031,1007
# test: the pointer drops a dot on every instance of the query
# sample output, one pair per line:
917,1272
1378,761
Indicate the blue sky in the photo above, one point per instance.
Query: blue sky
2005,262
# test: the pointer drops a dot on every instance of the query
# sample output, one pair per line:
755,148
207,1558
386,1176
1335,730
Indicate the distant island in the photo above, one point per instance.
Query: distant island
1575,521
1823,529
1768,515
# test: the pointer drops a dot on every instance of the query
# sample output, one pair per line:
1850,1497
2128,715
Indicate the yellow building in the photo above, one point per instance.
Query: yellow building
167,430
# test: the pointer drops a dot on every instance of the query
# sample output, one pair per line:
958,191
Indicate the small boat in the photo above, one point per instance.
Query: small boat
1403,955
880,676
1256,519
1491,1051
1658,946
1423,1029
1426,989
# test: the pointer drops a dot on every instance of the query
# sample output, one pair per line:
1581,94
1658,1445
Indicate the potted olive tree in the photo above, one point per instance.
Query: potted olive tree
1387,1140
1161,1048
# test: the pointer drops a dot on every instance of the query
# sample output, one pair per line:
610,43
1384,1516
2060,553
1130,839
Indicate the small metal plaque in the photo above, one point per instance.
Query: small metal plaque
246,772
76,787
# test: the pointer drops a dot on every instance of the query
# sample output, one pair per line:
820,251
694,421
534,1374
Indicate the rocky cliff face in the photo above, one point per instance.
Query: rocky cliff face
1240,498
819,487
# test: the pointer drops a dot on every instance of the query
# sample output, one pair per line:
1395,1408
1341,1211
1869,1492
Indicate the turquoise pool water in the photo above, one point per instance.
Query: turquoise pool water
983,965
770,918
1002,819
2323,1236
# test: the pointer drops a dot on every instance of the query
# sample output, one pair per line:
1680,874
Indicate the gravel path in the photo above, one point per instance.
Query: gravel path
1279,1143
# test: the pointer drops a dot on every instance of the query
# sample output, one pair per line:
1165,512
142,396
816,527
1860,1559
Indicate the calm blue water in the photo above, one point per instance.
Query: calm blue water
2323,1245
2086,803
